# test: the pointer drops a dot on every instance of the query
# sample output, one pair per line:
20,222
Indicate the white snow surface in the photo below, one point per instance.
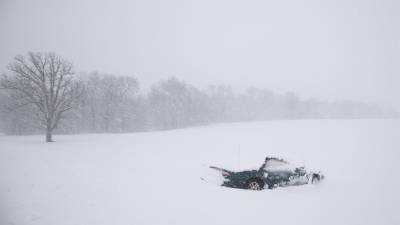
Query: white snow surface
154,178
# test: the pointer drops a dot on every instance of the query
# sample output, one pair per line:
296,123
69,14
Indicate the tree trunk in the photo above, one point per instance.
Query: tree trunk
49,134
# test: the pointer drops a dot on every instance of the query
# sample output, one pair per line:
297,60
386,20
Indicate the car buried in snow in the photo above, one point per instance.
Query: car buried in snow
273,173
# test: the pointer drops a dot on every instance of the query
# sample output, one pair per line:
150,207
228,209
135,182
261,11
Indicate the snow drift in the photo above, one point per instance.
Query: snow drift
154,178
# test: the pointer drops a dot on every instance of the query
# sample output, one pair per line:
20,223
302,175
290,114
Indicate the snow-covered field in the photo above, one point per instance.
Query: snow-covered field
154,178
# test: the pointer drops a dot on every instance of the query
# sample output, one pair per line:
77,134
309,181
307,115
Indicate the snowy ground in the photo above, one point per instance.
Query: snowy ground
154,178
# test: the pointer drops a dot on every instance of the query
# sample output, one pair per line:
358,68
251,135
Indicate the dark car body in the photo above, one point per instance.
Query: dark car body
273,173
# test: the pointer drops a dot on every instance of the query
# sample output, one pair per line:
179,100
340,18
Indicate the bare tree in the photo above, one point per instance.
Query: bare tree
109,102
45,81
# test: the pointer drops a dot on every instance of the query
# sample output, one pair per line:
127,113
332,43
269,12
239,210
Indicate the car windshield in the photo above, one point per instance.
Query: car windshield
275,163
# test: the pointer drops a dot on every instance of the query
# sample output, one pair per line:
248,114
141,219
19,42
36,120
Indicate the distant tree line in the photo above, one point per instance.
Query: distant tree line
42,94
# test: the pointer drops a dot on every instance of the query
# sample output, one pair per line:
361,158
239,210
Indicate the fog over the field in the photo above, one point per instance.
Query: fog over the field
138,99
330,50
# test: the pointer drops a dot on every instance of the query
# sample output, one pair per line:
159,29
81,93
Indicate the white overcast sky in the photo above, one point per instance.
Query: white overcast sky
339,49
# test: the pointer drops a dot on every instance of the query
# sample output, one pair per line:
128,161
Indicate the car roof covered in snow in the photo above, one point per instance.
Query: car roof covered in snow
275,159
274,163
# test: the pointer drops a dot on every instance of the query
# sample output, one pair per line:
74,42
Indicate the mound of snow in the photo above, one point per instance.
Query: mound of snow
154,178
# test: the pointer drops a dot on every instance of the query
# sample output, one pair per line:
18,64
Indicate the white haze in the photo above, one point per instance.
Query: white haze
328,50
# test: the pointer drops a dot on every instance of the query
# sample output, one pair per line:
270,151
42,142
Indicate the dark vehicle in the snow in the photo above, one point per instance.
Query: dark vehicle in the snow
274,172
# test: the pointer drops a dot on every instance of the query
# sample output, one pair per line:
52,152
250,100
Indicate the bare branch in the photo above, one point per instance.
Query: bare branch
45,81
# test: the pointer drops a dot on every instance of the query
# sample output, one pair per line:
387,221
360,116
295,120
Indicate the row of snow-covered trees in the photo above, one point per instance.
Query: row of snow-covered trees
98,102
